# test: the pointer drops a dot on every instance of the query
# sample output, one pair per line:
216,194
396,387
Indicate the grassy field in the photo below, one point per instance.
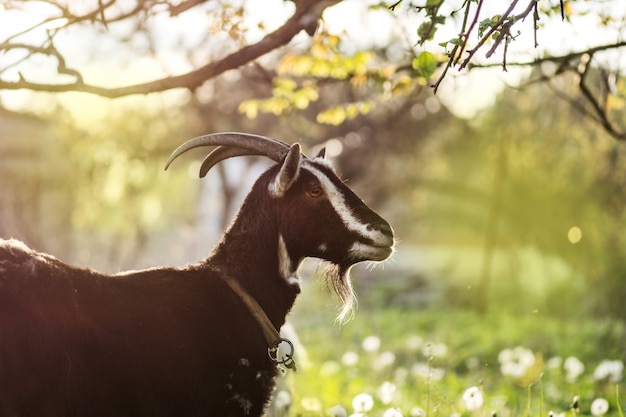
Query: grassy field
441,362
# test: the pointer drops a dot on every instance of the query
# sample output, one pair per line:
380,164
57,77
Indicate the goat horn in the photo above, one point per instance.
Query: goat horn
247,144
219,154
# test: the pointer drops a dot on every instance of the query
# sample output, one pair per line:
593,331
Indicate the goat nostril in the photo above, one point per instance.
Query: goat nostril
386,229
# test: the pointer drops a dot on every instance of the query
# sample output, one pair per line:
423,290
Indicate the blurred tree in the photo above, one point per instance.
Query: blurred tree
60,183
438,35
532,174
32,171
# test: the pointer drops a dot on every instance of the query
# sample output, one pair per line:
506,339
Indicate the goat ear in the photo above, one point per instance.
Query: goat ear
288,173
322,153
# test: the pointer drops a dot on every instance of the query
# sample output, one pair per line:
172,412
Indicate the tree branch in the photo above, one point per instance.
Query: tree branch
558,59
600,112
307,11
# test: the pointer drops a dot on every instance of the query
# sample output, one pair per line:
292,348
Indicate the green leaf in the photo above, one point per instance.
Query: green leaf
425,64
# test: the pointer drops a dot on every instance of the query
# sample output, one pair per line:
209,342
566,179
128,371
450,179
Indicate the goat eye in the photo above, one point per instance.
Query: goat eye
315,191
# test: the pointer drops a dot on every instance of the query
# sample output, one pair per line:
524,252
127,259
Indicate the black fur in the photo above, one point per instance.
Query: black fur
163,341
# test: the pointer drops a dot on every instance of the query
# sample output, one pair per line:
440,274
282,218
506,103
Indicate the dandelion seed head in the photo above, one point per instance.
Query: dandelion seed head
573,368
386,392
384,360
336,411
473,398
515,362
472,363
421,370
417,412
282,400
392,412
371,344
437,374
362,403
350,358
609,370
599,407
435,350
311,404
413,342
554,363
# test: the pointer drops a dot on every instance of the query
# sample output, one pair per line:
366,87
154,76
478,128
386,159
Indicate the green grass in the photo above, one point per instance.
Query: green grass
426,360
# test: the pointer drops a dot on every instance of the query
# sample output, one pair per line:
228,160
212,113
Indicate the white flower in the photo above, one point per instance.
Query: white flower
515,362
350,358
414,342
417,412
554,362
472,363
392,412
421,370
611,370
371,344
473,398
282,400
573,368
311,404
362,403
599,407
337,411
439,350
436,350
386,392
437,374
384,360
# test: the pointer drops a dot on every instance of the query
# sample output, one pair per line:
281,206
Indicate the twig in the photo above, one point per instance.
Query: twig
306,10
600,112
486,36
457,51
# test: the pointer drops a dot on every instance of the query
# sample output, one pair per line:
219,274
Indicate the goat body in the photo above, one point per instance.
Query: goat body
77,343
178,341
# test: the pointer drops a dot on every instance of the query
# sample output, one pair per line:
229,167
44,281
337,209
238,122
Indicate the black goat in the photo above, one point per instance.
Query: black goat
181,342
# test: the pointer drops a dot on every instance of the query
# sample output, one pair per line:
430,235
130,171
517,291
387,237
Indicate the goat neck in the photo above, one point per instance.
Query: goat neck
253,252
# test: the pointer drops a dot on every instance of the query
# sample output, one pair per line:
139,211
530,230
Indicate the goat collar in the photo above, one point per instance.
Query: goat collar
272,336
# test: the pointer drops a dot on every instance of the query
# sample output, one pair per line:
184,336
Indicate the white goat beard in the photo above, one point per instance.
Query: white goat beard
337,278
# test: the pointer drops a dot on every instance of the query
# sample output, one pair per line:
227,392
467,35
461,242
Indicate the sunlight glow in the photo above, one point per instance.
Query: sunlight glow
574,235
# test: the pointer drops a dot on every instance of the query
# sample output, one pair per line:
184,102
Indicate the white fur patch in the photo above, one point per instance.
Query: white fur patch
285,264
339,203
361,250
326,162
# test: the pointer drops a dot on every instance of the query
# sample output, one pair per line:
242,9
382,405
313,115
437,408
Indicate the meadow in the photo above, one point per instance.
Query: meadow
447,362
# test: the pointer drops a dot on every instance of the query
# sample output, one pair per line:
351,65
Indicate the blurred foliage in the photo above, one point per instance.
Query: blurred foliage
301,77
529,174
104,188
118,179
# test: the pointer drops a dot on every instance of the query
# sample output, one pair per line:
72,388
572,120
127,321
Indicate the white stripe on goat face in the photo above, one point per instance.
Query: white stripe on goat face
338,201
